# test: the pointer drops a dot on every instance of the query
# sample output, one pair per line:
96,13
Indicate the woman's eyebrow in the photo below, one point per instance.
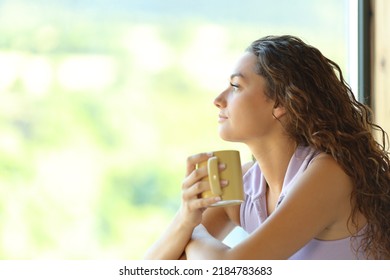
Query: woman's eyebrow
239,74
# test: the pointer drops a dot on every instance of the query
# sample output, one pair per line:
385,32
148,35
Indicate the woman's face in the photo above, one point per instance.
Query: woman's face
246,114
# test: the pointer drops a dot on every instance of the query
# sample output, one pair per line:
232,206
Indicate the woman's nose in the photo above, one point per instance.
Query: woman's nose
220,100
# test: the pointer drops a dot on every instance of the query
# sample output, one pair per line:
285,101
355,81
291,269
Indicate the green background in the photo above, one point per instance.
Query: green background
102,101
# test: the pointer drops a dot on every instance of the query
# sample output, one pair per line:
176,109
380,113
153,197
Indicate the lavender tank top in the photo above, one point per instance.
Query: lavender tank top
253,211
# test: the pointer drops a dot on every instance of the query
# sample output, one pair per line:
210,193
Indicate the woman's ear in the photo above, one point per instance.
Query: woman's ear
279,112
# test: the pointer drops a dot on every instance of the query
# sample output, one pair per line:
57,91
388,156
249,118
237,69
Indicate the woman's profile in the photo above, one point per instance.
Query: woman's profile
319,187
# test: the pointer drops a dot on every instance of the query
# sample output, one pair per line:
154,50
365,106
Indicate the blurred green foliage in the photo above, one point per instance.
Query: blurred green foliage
102,101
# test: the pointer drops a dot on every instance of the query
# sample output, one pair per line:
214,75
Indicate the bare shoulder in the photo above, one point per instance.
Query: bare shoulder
325,188
326,175
325,167
332,188
325,159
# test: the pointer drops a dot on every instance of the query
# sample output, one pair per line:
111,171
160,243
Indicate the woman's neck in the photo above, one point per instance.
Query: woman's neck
273,159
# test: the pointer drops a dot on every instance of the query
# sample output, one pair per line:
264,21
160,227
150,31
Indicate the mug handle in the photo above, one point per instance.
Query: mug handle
212,166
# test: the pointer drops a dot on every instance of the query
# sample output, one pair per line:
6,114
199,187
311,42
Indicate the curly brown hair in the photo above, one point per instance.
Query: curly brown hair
322,112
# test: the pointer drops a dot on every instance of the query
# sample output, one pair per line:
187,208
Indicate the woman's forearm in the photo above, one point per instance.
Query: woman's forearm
205,246
172,243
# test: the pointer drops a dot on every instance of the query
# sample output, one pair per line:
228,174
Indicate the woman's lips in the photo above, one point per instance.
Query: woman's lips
221,118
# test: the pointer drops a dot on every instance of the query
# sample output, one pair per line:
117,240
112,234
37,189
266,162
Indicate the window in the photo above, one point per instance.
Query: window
102,101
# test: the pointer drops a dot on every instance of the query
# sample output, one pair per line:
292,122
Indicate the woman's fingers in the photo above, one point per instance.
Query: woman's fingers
193,160
202,203
195,176
195,190
194,184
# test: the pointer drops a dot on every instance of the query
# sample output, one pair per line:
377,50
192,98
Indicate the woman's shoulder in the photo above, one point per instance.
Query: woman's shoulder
325,172
324,160
308,155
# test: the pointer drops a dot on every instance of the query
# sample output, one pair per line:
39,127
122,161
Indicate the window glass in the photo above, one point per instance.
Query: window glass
102,101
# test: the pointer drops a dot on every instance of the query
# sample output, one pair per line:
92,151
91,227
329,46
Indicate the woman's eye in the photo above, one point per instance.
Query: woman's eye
234,86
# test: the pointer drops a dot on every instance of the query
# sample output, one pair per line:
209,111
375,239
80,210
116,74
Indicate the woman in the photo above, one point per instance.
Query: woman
320,184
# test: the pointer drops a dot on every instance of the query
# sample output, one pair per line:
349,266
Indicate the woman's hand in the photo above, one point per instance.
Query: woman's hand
172,243
193,205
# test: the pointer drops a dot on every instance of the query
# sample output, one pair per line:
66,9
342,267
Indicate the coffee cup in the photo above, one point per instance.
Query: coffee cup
232,193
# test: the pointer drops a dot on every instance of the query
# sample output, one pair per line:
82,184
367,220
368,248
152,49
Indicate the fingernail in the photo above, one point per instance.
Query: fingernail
222,165
210,154
217,198
224,183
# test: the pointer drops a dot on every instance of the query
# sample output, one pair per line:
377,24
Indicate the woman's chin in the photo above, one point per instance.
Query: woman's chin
227,137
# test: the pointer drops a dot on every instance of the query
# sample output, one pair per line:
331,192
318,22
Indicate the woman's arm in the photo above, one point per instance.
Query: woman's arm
173,241
316,203
171,244
205,246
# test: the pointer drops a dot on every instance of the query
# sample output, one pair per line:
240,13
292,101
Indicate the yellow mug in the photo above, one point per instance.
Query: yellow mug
233,193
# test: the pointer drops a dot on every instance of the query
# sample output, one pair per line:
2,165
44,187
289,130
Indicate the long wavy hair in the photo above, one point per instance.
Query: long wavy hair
322,112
